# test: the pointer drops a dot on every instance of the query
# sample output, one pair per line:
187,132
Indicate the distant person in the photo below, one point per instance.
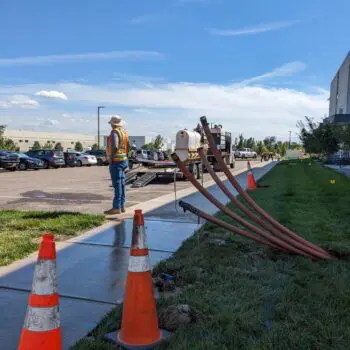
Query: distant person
134,147
117,155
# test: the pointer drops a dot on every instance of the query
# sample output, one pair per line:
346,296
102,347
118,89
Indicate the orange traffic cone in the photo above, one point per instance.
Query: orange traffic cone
139,327
251,180
42,330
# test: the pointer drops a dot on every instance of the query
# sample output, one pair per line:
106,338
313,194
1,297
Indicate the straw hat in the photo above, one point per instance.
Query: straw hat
115,121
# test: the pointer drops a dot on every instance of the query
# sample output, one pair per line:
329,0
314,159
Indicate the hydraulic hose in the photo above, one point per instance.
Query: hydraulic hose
181,165
186,206
246,196
250,214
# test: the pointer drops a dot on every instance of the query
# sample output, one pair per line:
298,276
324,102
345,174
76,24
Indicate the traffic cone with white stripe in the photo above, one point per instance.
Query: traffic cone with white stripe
42,329
251,180
139,327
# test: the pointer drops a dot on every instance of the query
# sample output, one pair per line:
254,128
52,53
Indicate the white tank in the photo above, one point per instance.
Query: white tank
187,143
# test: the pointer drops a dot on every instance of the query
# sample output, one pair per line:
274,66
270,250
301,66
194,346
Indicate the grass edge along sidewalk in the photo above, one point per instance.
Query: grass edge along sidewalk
20,231
251,297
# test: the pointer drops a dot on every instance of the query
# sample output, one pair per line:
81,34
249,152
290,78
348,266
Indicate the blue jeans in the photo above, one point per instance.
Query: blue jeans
117,170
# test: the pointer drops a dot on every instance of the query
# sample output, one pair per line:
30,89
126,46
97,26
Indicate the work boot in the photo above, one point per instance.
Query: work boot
112,211
123,210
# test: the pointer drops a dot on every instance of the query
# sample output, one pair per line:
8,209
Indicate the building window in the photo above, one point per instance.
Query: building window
72,143
20,140
26,141
53,141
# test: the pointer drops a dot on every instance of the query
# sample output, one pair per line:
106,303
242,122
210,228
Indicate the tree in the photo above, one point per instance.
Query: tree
240,141
48,145
78,146
58,146
36,145
250,143
94,147
5,143
321,138
149,146
158,142
260,147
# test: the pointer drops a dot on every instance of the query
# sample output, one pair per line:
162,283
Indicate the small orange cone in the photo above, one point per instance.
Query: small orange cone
139,327
42,329
251,180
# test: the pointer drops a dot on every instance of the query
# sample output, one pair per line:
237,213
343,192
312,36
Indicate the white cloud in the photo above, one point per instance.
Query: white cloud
52,94
19,101
262,28
50,122
287,69
243,107
80,57
143,19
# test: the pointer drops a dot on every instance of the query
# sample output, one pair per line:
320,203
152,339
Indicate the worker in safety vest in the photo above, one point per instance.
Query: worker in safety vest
117,155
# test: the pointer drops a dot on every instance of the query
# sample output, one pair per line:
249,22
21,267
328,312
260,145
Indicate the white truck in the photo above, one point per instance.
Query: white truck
245,153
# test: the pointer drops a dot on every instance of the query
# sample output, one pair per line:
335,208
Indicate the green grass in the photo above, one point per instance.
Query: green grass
254,298
20,231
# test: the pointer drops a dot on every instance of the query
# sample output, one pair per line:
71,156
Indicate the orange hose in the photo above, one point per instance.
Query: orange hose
249,200
246,211
235,216
216,221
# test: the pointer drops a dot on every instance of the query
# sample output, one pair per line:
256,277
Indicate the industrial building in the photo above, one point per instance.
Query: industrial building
339,101
25,139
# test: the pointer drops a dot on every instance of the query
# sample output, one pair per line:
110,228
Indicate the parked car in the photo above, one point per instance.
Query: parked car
70,159
152,155
166,155
50,158
141,153
160,155
100,155
245,153
85,159
26,162
8,161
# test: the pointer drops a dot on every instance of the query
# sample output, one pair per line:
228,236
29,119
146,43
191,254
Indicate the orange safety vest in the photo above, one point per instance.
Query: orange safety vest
118,153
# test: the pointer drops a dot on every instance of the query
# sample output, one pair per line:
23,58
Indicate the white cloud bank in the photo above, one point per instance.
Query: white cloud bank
52,94
80,57
19,101
262,28
160,107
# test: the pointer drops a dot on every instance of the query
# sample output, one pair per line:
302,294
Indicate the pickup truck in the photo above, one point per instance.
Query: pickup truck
245,153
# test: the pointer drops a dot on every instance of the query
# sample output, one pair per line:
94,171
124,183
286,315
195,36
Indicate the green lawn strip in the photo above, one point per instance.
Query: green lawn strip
20,231
252,297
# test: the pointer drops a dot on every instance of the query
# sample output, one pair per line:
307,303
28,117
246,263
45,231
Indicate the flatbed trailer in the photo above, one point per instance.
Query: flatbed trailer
144,171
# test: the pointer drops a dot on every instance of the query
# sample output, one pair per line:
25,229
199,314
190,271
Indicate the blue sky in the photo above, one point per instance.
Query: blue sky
164,63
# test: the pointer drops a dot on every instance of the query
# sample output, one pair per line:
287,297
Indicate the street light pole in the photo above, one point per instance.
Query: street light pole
98,126
290,138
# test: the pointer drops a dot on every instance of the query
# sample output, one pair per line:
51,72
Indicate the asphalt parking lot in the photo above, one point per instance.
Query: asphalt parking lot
76,189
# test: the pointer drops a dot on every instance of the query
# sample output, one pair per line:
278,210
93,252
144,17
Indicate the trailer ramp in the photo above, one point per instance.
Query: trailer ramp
144,180
130,177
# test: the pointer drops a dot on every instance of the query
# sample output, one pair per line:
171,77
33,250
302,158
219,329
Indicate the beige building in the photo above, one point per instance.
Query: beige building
25,139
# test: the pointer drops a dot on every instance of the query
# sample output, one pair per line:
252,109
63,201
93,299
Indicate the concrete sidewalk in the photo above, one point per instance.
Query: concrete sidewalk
92,268
345,169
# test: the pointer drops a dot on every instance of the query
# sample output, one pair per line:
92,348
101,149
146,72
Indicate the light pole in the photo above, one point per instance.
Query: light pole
98,126
290,138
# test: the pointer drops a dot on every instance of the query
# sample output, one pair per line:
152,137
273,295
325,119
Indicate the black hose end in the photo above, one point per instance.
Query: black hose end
174,157
181,204
204,120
